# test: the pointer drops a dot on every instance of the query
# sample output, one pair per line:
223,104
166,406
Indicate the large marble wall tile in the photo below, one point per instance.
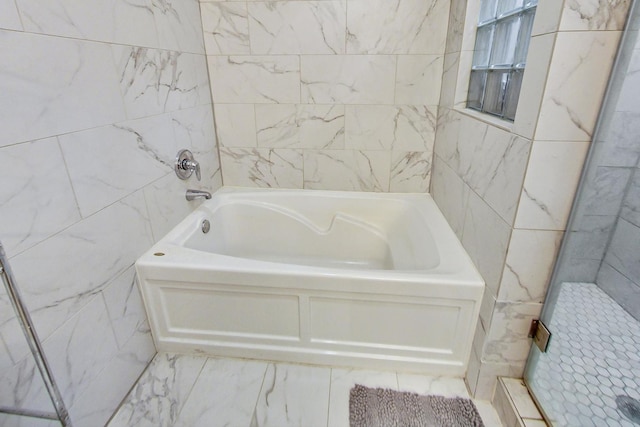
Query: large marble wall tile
410,171
226,391
456,26
450,193
459,136
533,84
623,254
583,15
101,398
293,395
627,101
348,79
300,126
108,163
547,19
179,25
9,17
381,127
619,144
161,392
77,354
166,202
530,260
507,340
226,28
255,79
606,191
447,132
450,80
77,89
590,238
408,26
581,59
631,206
36,197
125,308
494,165
290,27
116,21
418,79
347,170
236,125
22,386
194,129
550,184
80,261
486,239
262,167
624,291
155,81
488,377
7,420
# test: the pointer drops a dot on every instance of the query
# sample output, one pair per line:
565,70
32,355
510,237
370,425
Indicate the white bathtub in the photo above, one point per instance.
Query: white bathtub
335,278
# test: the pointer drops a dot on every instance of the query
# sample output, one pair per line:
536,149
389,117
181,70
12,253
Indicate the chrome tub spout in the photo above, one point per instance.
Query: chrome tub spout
197,194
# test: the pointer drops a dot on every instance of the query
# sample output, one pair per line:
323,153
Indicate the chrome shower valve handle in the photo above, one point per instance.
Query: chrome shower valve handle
186,164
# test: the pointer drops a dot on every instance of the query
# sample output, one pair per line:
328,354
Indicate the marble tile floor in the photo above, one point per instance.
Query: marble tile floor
192,391
593,358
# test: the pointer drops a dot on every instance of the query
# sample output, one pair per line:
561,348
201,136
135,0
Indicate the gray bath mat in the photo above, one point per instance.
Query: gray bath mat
378,407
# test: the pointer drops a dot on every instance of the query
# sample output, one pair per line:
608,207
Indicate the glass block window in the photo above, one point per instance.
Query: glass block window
500,54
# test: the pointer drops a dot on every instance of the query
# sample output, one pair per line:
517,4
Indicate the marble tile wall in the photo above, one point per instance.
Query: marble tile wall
617,187
307,95
97,99
507,188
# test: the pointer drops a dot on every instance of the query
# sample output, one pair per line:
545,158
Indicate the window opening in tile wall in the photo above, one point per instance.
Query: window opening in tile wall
500,54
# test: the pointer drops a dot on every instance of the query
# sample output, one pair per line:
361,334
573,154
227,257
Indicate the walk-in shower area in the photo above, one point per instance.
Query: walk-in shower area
590,373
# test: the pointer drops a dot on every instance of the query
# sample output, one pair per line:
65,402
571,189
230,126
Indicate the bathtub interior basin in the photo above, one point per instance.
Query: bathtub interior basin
331,231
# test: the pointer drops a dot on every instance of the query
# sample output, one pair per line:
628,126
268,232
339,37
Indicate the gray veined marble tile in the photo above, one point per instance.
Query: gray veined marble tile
262,167
619,145
418,79
38,101
125,308
300,126
80,261
108,163
101,397
37,187
236,125
179,25
594,15
115,21
605,191
293,395
450,193
226,28
623,254
155,81
255,79
80,349
387,127
410,171
411,26
348,79
631,204
347,170
307,27
9,17
225,394
161,392
486,239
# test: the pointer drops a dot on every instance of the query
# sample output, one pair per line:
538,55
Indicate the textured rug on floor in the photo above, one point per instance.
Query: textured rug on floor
379,407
